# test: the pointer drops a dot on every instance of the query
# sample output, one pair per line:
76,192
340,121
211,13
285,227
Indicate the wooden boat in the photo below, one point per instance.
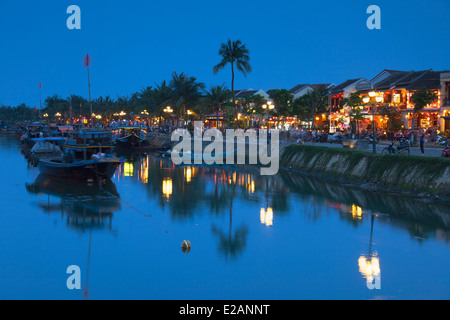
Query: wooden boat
87,157
98,166
4,129
49,147
34,130
59,130
129,137
90,137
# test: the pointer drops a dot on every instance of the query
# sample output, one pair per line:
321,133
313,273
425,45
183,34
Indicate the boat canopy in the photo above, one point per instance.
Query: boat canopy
93,132
129,128
83,147
47,139
65,128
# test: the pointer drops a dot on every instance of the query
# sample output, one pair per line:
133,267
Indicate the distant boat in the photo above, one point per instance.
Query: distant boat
90,137
32,131
129,137
4,129
39,130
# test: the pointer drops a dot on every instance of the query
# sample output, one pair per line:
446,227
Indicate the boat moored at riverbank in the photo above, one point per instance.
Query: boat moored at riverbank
85,156
129,137
81,163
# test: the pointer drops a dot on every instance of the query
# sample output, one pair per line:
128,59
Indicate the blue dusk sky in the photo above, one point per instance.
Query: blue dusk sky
134,44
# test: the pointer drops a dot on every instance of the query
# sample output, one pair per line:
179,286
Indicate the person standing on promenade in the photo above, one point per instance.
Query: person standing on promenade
422,142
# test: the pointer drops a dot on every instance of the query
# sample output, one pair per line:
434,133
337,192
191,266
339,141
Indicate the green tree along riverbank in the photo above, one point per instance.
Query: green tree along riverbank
415,175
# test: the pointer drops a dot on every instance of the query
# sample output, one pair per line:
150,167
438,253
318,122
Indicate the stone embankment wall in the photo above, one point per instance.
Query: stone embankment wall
159,140
403,174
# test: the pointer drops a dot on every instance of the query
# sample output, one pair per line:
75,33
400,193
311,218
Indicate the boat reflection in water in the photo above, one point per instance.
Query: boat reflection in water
85,206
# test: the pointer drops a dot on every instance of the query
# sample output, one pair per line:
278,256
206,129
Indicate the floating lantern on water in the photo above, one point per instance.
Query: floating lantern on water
186,246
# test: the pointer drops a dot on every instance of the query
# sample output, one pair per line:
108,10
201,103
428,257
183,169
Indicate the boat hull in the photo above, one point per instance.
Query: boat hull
130,142
82,170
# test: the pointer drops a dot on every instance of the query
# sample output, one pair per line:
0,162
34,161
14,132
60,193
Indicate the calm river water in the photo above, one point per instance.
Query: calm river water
253,237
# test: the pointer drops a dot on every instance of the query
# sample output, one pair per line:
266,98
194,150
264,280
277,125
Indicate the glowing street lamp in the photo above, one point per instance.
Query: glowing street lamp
167,188
268,106
266,216
367,101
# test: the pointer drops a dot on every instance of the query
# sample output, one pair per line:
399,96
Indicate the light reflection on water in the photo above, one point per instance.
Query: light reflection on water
253,237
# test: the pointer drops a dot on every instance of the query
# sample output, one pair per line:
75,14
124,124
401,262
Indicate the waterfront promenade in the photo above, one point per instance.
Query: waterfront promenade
430,151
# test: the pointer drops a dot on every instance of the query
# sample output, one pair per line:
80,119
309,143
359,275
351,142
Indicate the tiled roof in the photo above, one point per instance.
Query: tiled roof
391,80
299,87
246,93
321,85
390,72
411,80
430,80
343,85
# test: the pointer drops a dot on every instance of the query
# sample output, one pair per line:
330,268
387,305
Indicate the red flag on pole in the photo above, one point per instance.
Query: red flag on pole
87,61
35,109
40,84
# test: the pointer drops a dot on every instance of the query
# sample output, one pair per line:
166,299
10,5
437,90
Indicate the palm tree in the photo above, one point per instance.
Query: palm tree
186,92
159,98
216,97
234,52
234,243
123,104
145,96
55,104
78,103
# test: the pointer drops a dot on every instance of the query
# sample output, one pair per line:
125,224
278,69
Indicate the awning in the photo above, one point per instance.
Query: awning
214,115
65,128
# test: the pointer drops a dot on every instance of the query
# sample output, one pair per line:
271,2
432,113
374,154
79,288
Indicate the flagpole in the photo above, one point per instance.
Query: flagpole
70,106
40,100
87,62
90,101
